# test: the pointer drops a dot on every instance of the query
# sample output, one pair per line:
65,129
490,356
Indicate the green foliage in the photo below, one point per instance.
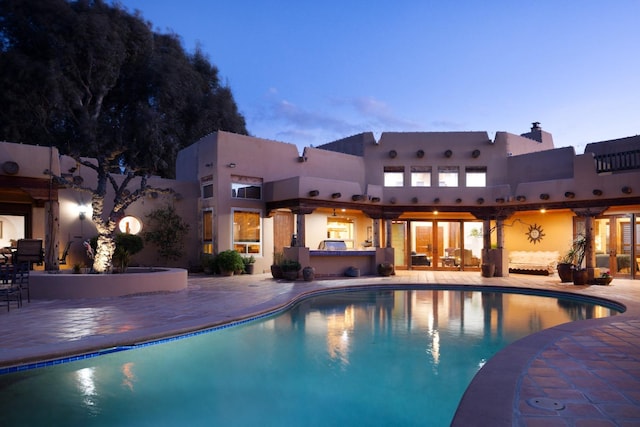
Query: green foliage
575,254
290,265
94,80
166,231
208,262
126,246
229,260
248,260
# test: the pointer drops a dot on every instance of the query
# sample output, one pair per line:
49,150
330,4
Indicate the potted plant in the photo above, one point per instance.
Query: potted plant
580,274
276,270
208,262
290,269
565,265
229,262
248,264
604,279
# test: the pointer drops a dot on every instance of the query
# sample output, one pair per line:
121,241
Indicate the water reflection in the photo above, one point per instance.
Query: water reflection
478,317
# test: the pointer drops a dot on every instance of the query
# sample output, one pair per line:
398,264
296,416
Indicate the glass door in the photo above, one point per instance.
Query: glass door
398,242
617,245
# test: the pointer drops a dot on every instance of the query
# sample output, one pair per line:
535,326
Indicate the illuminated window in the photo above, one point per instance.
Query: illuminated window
247,231
476,176
448,176
207,232
394,176
246,187
421,176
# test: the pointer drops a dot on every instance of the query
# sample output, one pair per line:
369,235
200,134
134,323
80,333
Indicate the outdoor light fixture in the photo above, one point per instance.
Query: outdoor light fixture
83,210
231,165
130,225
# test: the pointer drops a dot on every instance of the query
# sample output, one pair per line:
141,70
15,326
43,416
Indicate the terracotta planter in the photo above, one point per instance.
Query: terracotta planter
565,272
603,281
308,274
488,269
276,271
580,277
385,269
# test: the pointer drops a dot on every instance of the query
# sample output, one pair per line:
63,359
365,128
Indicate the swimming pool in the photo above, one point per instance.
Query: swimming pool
390,357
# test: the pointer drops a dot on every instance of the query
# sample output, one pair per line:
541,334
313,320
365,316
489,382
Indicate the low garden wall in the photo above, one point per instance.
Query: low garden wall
66,285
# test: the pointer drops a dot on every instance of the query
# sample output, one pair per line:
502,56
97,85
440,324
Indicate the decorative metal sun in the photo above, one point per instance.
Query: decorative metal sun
535,233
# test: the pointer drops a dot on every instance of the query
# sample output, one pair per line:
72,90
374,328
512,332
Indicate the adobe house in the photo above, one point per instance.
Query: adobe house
420,200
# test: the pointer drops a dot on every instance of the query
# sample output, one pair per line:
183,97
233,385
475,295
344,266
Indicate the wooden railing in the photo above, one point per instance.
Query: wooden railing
626,160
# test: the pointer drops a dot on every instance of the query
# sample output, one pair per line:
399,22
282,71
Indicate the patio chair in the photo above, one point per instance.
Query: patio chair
9,286
29,251
21,279
65,253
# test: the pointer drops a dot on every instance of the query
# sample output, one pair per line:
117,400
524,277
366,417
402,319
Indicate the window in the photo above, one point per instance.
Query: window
394,176
247,232
448,176
246,187
207,191
421,176
476,176
207,232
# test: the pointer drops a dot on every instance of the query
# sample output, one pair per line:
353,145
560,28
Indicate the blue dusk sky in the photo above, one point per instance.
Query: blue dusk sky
310,72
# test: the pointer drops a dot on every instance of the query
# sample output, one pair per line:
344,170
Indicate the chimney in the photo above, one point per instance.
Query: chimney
535,126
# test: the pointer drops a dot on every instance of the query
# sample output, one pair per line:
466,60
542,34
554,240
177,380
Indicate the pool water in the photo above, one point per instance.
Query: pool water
401,357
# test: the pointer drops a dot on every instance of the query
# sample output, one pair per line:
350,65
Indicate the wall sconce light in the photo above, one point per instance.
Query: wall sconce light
357,197
393,154
436,200
83,211
336,195
231,165
597,192
569,194
475,154
458,200
375,199
420,154
544,196
130,225
313,193
627,190
448,153
521,198
480,200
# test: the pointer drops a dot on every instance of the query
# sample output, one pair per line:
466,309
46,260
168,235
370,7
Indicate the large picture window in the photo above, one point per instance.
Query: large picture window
448,176
476,176
394,176
247,226
421,176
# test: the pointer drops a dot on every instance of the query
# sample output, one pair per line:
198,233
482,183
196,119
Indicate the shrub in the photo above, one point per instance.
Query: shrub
290,265
230,260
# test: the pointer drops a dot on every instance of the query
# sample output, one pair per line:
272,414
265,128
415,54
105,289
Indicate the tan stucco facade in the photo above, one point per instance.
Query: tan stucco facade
339,191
